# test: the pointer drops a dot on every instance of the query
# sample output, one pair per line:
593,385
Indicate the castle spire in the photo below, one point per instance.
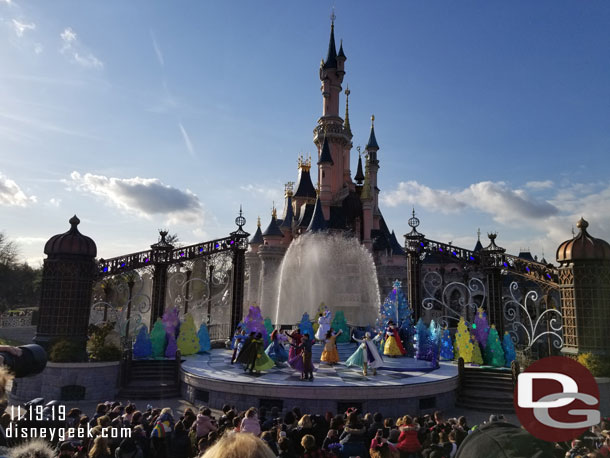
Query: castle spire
372,143
346,125
331,56
359,177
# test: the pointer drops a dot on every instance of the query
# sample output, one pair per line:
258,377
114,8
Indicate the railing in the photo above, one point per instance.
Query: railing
119,264
220,331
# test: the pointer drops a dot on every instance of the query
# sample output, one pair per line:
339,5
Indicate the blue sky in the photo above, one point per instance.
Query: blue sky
141,115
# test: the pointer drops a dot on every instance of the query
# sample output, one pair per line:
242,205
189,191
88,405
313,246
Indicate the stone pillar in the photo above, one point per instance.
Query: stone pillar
271,260
67,281
254,266
584,278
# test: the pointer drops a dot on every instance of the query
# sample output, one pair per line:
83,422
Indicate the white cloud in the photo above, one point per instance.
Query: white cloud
157,49
269,194
546,184
53,202
497,199
21,27
11,194
143,197
187,140
76,51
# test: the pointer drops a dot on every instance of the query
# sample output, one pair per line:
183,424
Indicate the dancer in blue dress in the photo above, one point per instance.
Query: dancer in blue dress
366,355
275,350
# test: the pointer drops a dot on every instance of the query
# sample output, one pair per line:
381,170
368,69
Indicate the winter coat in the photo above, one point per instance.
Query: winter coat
408,441
351,435
203,425
250,425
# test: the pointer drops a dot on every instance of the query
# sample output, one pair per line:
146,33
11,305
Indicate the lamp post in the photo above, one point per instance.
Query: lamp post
211,269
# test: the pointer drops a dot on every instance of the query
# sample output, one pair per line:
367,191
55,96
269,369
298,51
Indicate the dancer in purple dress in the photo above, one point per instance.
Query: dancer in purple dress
302,360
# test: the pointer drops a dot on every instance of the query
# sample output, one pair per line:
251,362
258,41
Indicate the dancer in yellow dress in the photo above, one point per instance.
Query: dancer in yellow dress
393,345
330,354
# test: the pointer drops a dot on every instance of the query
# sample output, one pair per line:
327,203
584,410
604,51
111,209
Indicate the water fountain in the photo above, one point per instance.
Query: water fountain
333,269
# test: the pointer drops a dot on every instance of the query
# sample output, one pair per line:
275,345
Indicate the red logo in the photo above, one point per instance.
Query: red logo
557,399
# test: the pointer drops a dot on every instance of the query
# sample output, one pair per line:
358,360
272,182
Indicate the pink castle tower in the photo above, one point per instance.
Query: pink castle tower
338,205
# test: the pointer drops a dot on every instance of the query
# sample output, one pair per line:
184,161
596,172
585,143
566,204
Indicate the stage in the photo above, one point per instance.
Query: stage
210,379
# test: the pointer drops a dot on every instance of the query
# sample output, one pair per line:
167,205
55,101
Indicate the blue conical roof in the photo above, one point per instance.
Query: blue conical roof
359,177
317,223
273,230
288,214
331,56
325,157
372,143
257,238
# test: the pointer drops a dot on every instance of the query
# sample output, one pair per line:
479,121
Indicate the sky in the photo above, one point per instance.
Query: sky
144,115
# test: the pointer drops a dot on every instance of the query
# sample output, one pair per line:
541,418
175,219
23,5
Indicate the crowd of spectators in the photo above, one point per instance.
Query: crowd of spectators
124,431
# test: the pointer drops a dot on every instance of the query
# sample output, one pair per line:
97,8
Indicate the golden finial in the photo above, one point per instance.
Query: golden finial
273,211
479,234
358,149
288,189
347,126
372,120
258,222
318,189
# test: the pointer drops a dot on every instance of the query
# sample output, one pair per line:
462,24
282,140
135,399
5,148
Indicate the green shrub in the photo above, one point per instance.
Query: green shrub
106,353
66,351
599,366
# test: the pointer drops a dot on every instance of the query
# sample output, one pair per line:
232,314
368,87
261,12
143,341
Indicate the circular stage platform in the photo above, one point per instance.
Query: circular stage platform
402,385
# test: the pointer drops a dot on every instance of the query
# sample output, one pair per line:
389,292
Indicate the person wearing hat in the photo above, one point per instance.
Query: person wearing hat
66,450
128,449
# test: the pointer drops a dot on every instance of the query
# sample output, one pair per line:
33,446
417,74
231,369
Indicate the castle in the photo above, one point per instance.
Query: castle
340,203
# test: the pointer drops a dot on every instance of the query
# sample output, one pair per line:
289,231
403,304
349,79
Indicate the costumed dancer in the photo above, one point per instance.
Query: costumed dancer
366,355
296,338
253,356
330,354
393,345
276,350
302,360
323,325
238,342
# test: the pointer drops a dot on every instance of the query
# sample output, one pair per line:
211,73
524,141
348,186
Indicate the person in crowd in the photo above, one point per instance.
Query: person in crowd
100,448
239,445
204,424
408,441
181,443
128,448
354,437
250,423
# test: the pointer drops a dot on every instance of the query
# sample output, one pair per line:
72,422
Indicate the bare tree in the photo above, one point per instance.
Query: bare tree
9,251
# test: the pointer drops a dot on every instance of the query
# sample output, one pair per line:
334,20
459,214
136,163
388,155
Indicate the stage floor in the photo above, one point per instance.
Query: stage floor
215,366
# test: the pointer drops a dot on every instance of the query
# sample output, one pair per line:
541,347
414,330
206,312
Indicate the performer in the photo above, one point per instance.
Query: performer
238,342
276,350
246,352
393,345
330,354
366,355
253,356
323,325
302,360
296,337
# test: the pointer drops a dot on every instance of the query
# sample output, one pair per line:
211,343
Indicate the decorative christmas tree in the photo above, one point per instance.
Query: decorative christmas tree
509,349
340,323
171,320
158,338
481,327
170,350
254,322
493,353
434,333
142,347
446,346
188,342
477,357
395,307
407,336
425,346
305,326
204,338
463,345
268,326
